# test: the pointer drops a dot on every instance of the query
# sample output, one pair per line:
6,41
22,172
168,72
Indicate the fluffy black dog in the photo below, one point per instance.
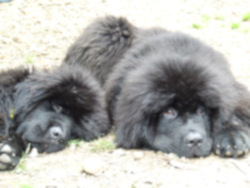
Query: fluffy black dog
46,109
165,91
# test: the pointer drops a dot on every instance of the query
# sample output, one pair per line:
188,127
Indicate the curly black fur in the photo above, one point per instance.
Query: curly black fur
47,108
91,50
166,91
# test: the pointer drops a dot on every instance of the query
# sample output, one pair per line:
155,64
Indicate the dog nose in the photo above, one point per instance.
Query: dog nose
193,139
56,133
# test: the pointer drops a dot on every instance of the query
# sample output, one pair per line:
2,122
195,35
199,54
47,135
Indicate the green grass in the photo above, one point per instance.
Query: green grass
220,18
206,18
196,26
102,145
22,162
235,25
30,59
76,142
246,17
223,25
25,186
245,30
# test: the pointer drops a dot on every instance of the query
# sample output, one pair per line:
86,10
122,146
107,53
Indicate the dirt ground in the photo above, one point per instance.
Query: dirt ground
38,32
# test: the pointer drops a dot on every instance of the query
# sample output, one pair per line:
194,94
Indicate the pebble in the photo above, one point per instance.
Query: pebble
138,155
92,165
16,39
119,152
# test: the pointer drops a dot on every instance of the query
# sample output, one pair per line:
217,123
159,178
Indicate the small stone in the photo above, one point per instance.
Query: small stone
92,165
177,164
16,39
138,155
172,156
119,152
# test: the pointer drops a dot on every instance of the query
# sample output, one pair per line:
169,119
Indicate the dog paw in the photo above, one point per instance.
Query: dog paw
231,142
10,153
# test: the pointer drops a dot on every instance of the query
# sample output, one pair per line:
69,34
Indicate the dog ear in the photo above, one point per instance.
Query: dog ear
134,113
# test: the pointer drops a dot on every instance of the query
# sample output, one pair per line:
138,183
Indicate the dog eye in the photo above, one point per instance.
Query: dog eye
171,113
200,111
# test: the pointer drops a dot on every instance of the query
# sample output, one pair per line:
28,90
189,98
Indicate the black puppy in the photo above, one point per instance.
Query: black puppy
165,91
46,109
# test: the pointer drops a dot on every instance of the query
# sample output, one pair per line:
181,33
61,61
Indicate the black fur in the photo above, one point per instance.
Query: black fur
92,51
11,145
49,108
8,80
166,91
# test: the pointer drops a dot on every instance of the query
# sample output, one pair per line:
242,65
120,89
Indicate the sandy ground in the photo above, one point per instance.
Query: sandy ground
38,32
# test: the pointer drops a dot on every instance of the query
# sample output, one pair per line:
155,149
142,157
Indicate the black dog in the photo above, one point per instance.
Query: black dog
46,109
165,91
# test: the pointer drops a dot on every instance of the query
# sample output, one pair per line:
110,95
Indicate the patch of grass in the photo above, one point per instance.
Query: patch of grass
76,142
246,17
133,186
217,17
223,25
30,59
21,166
196,26
235,25
206,18
25,186
245,30
102,145
22,162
